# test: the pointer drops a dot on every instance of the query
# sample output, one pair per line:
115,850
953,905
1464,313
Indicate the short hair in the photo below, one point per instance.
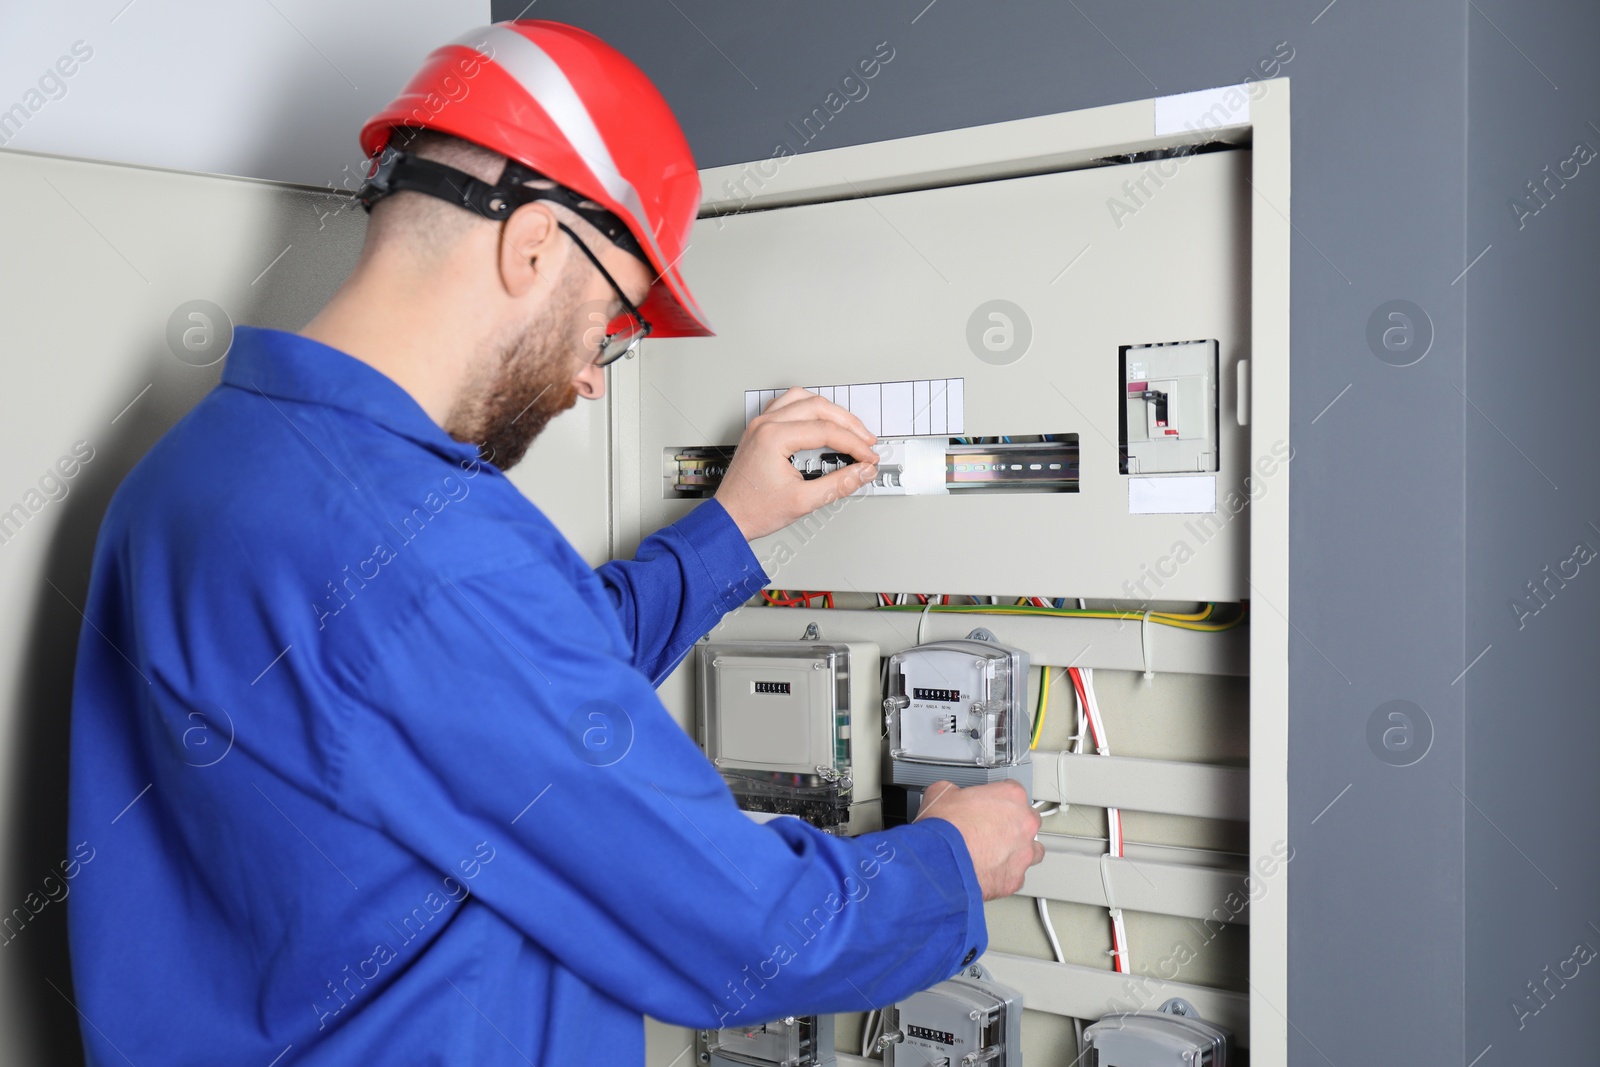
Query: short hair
425,226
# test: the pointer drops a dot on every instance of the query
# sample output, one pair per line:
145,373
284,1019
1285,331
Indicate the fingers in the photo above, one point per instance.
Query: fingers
830,487
789,396
1038,854
793,435
799,405
932,795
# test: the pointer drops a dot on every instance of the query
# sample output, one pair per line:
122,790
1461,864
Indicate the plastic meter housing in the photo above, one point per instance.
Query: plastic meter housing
794,728
798,1041
957,711
1163,1038
966,1021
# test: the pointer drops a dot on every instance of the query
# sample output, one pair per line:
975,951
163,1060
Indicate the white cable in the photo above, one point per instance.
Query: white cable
1077,1032
1145,647
866,1032
1105,881
1102,744
922,620
1050,930
1119,930
1082,727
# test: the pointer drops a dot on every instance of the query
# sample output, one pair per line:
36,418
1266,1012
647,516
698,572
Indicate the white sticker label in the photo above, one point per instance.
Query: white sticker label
1173,495
934,407
1203,109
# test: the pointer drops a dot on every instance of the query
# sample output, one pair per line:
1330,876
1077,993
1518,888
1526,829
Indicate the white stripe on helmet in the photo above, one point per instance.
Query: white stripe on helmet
545,81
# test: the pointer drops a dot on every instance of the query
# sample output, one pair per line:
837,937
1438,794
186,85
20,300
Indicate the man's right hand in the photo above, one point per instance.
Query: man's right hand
763,492
998,825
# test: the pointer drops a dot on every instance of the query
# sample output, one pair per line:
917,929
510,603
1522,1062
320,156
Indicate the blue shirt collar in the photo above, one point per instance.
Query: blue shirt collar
287,366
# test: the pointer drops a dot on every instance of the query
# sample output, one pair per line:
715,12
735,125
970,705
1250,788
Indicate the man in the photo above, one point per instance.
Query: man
371,761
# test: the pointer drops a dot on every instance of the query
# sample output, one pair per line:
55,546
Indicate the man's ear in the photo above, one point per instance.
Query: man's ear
529,252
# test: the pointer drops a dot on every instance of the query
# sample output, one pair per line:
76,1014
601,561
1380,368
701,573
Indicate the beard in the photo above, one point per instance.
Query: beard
533,383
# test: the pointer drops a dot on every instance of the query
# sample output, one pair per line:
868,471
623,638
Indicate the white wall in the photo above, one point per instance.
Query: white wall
276,89
92,265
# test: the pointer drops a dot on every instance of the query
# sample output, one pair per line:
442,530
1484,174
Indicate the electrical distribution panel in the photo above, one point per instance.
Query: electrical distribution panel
1169,417
965,1021
798,1041
1172,1037
957,711
793,726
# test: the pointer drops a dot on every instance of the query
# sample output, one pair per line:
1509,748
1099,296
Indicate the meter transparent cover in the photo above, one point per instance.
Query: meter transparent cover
962,1020
775,721
795,1042
958,702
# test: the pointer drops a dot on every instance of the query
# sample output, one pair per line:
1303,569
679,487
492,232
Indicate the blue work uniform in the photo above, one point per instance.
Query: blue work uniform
368,766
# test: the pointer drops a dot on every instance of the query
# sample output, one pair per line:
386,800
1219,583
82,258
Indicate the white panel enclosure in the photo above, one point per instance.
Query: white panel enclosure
1026,289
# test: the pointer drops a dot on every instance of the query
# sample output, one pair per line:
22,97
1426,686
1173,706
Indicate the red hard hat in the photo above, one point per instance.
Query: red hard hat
562,102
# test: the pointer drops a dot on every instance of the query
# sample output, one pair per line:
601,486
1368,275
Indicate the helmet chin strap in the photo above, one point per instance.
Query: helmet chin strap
399,171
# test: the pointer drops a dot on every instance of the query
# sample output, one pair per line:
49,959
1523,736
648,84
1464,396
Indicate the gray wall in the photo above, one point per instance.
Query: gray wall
1401,567
1532,494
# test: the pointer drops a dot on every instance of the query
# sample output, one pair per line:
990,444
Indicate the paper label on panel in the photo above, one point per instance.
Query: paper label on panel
1203,109
1173,496
932,407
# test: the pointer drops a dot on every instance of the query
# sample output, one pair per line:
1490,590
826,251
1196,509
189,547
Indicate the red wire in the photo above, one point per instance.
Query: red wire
1077,684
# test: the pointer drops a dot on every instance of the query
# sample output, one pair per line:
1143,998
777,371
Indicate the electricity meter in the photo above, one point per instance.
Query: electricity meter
965,1021
798,1041
1172,1036
957,711
793,727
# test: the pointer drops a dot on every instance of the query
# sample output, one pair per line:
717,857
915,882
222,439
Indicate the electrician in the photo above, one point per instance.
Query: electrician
370,761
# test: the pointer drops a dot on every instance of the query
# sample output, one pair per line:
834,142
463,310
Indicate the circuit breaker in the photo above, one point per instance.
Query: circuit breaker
1172,1036
793,726
797,1041
965,1021
957,711
1169,408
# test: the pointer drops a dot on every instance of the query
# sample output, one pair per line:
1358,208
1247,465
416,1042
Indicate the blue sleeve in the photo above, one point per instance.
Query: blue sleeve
491,713
679,584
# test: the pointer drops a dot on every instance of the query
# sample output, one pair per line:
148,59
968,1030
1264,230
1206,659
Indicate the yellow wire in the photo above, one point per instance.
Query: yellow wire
1044,706
1204,612
1181,622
